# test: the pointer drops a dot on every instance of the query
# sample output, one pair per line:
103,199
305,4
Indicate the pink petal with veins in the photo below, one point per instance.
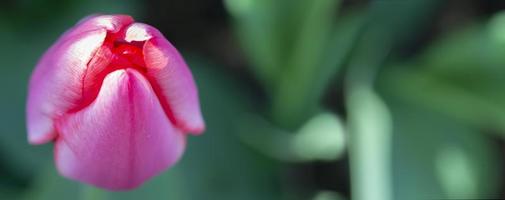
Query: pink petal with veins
57,83
170,77
121,139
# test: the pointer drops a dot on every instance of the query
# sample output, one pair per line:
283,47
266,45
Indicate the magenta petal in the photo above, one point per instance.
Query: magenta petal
56,84
122,139
171,78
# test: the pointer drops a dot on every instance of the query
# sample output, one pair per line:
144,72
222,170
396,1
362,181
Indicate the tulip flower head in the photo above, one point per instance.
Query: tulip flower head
117,99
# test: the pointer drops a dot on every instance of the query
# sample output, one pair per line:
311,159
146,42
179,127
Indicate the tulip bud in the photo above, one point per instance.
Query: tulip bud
117,99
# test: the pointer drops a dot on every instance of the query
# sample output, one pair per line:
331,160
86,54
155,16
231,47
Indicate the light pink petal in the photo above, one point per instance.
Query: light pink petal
59,79
56,84
121,139
170,77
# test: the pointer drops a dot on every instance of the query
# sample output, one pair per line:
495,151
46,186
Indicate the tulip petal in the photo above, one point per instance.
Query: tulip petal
59,81
56,84
121,139
170,77
111,23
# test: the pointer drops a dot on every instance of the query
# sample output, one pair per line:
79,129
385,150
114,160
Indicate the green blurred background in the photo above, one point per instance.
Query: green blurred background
303,99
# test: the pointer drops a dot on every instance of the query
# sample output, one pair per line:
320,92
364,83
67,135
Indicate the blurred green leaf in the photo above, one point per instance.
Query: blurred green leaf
321,50
456,78
420,139
321,138
304,60
464,68
275,33
257,24
456,172
439,95
266,138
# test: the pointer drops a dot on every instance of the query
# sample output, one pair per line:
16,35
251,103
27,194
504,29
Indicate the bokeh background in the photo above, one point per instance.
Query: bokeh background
303,99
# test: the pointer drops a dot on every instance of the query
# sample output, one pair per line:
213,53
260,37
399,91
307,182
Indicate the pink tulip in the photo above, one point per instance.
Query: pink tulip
117,98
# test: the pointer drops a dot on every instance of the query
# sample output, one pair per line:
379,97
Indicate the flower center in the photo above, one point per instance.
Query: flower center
126,55
114,54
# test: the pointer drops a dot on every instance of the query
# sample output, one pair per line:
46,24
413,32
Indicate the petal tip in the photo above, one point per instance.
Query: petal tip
113,23
40,139
39,128
139,32
196,128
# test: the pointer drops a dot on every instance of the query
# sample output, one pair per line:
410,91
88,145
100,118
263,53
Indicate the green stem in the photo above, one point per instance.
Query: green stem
369,123
370,145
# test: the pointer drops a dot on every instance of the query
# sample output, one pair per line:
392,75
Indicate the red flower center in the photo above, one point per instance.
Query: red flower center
114,54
